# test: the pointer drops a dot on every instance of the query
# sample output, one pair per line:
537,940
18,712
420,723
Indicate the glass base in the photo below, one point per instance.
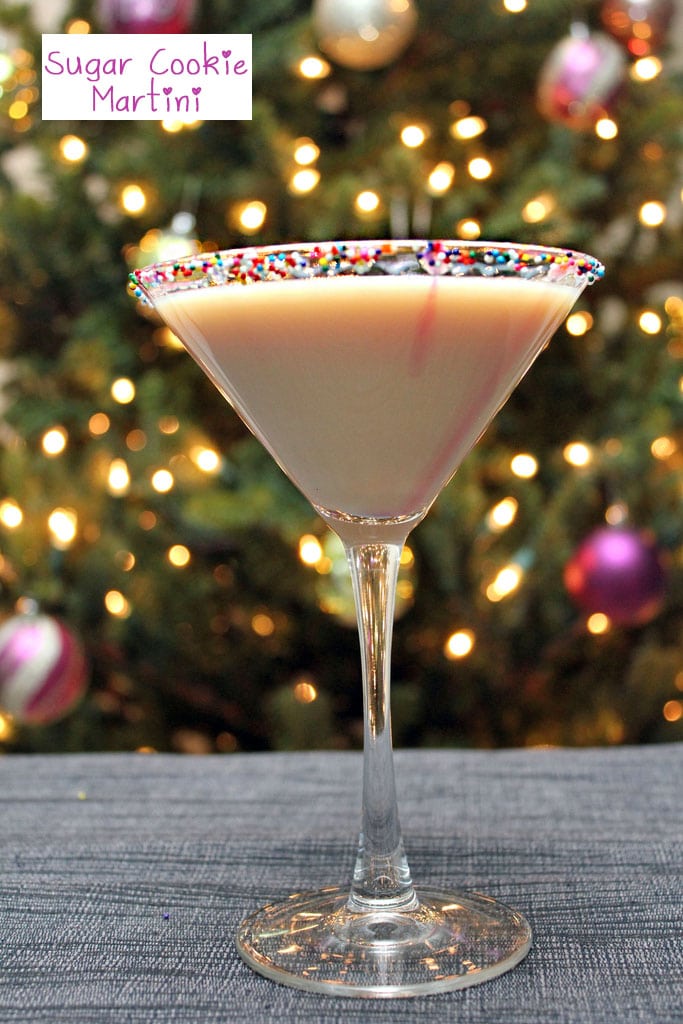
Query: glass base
313,941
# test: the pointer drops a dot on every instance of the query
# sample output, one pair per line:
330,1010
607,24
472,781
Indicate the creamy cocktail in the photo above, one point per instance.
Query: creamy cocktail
368,391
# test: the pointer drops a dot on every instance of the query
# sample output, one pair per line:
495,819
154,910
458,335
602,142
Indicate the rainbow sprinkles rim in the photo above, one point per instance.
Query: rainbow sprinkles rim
329,259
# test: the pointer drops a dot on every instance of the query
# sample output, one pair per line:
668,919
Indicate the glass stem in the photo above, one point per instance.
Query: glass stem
381,878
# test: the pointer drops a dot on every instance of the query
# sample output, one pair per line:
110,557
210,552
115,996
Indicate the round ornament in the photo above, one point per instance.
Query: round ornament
43,671
641,25
364,34
617,571
145,16
581,79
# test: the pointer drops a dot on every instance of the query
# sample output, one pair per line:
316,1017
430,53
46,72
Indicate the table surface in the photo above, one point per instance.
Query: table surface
123,878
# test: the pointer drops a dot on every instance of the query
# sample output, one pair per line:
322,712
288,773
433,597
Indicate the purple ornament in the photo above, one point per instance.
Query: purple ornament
43,671
145,16
581,79
618,571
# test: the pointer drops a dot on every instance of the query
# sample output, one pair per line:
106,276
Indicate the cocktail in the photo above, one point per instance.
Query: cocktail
369,370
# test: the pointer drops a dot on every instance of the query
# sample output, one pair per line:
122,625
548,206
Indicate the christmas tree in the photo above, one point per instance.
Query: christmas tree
541,601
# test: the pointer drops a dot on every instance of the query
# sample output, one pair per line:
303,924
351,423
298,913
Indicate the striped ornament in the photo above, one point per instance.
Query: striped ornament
43,671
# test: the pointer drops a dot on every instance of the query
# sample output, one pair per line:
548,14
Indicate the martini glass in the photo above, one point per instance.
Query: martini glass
369,370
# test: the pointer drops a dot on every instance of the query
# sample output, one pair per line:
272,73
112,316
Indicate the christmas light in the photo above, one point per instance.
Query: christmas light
116,604
598,623
162,481
150,241
653,151
118,479
468,229
125,560
22,58
54,441
577,454
310,549
179,556
305,692
169,424
505,582
175,125
459,644
579,323
11,515
6,726
413,136
515,6
305,180
652,214
663,447
606,128
6,67
480,168
99,424
538,209
251,216
673,710
407,558
616,514
165,336
468,127
78,27
18,110
524,466
172,126
650,322
63,524
72,149
262,624
123,391
136,440
367,201
226,743
305,152
503,514
441,177
206,459
613,446
313,67
133,200
646,68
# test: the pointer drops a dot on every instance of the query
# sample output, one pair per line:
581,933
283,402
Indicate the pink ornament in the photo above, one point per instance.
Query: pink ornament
617,571
145,16
581,79
42,669
639,24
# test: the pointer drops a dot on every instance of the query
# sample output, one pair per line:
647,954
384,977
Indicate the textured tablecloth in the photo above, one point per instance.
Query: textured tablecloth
123,878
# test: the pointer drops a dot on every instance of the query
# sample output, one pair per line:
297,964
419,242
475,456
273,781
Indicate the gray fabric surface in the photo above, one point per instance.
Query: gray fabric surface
123,879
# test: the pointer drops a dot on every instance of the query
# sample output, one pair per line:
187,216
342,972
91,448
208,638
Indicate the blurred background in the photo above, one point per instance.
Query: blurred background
162,585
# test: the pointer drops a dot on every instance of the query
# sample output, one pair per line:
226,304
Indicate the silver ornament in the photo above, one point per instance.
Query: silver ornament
364,34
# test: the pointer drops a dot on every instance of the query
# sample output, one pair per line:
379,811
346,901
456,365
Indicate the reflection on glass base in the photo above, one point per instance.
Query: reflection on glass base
313,941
